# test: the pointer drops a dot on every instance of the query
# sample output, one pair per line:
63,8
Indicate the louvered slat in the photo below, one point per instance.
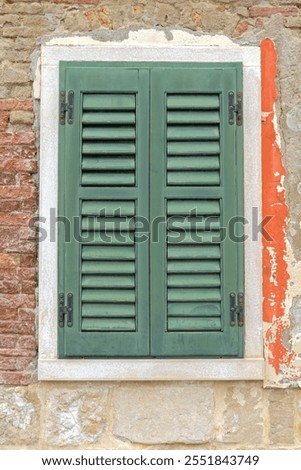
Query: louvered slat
108,253
109,139
193,269
196,251
191,266
193,163
108,118
95,223
201,280
109,208
193,133
193,117
108,279
95,310
194,223
187,143
119,282
108,267
194,309
108,101
112,324
194,324
108,164
192,101
184,207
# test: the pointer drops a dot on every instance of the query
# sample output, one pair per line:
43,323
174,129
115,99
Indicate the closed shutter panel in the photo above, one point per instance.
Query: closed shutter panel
104,186
195,166
150,140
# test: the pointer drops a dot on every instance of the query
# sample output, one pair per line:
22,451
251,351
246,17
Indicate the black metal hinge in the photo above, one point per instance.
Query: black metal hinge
235,109
65,309
237,308
66,107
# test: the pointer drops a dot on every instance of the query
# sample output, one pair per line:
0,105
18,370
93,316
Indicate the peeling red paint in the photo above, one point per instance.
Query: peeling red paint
278,353
275,275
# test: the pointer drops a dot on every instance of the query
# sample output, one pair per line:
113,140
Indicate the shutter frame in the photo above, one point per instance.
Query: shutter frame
195,336
76,197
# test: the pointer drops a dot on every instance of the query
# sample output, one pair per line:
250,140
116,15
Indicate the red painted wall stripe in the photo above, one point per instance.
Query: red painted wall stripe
275,275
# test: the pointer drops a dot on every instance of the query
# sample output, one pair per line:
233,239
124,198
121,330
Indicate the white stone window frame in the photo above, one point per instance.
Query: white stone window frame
148,46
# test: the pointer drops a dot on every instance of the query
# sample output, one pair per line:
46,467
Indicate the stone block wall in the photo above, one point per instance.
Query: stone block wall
167,415
136,415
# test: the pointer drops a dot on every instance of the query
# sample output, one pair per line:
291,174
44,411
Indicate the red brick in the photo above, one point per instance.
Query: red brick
19,274
11,273
88,2
17,192
17,352
29,287
23,362
9,341
28,261
269,11
7,260
10,314
25,179
14,218
17,138
30,205
29,274
3,121
18,164
8,286
9,238
7,178
17,327
15,378
9,105
26,314
17,300
7,205
26,342
13,240
242,26
24,152
8,363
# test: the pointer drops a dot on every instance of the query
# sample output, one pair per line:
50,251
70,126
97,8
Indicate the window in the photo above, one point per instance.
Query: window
156,146
180,54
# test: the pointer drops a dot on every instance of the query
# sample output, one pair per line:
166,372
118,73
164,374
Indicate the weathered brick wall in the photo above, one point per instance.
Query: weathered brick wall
18,262
111,415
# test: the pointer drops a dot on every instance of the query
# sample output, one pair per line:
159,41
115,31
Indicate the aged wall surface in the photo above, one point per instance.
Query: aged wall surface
167,414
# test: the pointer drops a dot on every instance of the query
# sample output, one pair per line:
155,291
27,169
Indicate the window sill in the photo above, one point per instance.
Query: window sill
151,369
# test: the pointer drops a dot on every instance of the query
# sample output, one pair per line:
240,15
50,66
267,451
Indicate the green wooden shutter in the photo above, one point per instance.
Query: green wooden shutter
196,174
103,186
156,143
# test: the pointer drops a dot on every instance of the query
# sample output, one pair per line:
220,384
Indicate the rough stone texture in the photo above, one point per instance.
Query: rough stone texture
242,418
281,412
75,415
141,415
164,413
19,417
